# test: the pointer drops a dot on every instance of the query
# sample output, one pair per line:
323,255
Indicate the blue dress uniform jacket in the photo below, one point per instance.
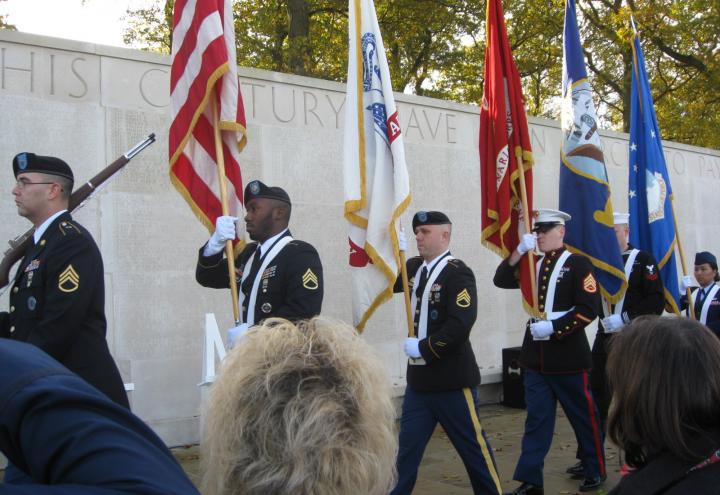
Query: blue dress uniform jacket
645,294
568,350
57,303
452,310
71,439
713,314
291,286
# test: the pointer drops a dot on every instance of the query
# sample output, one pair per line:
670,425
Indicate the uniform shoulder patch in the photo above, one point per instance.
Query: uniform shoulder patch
67,227
463,299
589,284
69,280
310,280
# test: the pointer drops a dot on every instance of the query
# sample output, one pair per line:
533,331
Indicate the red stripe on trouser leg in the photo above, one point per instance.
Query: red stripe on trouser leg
593,423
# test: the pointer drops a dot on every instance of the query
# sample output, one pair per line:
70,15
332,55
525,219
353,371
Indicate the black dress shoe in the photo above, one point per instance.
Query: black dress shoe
576,470
590,484
527,489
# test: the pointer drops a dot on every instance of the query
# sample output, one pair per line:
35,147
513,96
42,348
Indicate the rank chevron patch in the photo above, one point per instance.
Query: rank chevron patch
310,280
463,299
589,284
69,280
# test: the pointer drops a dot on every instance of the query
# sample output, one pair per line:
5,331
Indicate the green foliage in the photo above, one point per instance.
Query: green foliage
437,48
150,28
3,21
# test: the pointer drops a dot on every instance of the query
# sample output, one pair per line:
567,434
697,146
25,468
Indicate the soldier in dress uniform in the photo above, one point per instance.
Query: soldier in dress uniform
57,299
442,374
706,297
555,353
644,296
277,275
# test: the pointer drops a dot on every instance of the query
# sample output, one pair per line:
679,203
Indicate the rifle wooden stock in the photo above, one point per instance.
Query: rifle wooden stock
19,245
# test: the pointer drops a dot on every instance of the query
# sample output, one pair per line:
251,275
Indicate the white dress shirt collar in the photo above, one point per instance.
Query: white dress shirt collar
43,227
430,265
265,246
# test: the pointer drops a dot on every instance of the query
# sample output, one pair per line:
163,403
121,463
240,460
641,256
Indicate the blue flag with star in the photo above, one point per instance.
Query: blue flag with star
652,227
584,187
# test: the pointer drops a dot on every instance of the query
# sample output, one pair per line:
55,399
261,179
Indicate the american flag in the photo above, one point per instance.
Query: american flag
205,92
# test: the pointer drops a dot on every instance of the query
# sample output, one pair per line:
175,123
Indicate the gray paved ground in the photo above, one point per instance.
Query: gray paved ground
442,472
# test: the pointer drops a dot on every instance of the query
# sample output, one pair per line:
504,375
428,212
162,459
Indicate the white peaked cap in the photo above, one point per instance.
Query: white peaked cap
548,215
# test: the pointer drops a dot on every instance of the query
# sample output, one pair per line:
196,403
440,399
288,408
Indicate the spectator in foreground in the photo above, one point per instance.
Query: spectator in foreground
300,408
665,376
71,439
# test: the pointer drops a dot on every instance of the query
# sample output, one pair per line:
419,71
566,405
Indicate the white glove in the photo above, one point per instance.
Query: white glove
402,241
412,347
613,323
235,334
224,231
685,283
527,243
541,330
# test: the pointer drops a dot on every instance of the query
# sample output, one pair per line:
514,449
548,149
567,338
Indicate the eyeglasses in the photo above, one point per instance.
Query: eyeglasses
22,183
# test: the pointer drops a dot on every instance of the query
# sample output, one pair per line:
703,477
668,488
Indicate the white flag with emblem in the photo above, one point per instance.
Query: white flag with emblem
377,190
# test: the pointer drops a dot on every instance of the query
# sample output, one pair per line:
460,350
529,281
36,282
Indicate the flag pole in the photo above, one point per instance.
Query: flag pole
526,221
229,252
688,292
406,290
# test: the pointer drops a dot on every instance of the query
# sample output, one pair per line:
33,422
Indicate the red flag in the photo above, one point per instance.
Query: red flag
205,91
504,141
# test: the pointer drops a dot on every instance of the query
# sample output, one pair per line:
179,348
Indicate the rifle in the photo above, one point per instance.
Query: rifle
20,244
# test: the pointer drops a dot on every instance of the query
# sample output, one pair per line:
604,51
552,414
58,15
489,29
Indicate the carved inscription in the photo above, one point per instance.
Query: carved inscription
76,76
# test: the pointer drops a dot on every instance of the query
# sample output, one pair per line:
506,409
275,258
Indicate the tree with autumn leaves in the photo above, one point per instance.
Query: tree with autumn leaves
436,48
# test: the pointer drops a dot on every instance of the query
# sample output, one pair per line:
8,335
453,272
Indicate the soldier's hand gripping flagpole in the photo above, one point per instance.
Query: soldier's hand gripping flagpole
229,252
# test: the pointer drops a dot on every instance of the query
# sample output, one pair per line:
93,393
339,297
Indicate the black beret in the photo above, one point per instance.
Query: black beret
706,257
256,189
30,162
430,218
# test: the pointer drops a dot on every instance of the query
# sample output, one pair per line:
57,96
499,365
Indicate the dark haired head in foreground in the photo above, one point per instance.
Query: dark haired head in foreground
300,409
665,375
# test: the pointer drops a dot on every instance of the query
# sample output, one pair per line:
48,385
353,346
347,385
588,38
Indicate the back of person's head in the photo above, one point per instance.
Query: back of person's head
300,409
665,376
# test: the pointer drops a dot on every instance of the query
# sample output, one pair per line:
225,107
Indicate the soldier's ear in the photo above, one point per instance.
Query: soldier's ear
56,190
280,213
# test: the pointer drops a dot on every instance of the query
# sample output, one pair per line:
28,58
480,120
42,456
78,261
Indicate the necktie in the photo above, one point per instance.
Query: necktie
699,302
422,283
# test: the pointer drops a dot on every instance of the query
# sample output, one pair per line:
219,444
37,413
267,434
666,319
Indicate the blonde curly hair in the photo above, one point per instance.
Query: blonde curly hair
300,409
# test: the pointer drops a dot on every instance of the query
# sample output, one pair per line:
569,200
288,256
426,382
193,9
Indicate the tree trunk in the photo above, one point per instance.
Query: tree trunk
299,36
627,59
